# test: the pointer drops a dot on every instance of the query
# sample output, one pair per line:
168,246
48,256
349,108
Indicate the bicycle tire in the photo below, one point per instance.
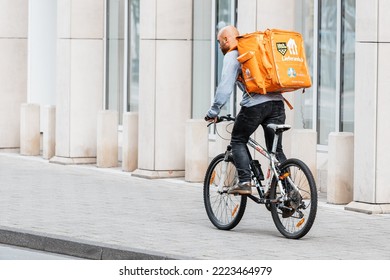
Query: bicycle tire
294,226
224,210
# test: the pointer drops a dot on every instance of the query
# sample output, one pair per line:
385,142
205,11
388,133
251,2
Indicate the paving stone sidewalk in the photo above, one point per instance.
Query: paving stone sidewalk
93,212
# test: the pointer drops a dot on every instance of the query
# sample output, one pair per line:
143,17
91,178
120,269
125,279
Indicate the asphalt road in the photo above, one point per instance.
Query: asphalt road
17,253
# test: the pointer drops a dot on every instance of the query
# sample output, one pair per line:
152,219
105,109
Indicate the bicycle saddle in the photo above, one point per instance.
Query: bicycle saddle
279,127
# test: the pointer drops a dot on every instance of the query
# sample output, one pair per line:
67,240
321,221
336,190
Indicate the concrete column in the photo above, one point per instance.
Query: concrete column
80,79
130,142
165,83
284,9
304,147
13,69
30,143
197,142
42,52
49,132
107,139
340,168
371,192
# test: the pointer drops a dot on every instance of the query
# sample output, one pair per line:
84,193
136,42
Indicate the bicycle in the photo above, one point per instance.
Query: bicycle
289,191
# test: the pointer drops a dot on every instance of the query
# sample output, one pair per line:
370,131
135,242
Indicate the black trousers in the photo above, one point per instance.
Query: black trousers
247,121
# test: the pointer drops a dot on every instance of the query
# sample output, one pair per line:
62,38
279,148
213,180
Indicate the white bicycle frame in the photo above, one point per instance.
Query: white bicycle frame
271,172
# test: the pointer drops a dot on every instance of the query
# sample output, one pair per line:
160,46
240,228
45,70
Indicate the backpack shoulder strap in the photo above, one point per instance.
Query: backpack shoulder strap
288,103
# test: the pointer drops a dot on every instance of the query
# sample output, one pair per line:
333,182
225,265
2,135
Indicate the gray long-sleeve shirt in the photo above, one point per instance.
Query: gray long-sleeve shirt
230,71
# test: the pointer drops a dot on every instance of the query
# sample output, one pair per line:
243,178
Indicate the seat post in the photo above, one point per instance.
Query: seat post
275,143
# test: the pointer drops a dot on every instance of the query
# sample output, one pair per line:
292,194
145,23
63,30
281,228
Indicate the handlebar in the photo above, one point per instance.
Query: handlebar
228,117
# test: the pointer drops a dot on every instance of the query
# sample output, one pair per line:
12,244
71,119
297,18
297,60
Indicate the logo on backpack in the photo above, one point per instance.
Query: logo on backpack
292,47
281,47
291,73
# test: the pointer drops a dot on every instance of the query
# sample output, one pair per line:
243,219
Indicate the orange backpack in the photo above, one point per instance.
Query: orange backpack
273,61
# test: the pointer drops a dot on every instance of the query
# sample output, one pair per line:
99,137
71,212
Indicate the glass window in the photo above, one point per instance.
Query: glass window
115,51
327,63
201,60
225,15
303,103
223,18
347,66
133,59
122,55
330,53
336,67
206,72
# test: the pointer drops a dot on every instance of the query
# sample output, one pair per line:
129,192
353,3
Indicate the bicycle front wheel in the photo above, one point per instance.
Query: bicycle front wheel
224,210
294,216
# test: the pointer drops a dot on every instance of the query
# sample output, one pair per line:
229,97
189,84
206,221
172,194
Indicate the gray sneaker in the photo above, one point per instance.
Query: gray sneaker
245,188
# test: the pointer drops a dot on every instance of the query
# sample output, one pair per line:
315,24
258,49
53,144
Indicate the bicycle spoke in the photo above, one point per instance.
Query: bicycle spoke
294,217
223,209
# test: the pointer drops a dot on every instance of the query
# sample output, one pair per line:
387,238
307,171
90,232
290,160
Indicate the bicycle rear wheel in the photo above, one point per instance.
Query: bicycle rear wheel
224,210
295,216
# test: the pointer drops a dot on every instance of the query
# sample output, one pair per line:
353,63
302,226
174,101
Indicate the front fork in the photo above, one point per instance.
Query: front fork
225,162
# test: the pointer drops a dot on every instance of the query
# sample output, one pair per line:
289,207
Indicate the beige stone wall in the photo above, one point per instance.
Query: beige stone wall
13,69
165,85
80,77
372,101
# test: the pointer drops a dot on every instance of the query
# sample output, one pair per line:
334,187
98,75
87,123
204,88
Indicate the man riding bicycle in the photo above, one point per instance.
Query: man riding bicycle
256,110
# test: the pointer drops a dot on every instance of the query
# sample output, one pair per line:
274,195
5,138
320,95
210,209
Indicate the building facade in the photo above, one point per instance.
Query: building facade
161,60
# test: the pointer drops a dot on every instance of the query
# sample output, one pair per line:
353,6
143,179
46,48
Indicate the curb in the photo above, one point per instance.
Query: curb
77,248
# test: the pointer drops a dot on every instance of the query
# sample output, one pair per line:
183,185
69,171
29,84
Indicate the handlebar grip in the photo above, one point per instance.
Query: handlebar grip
220,119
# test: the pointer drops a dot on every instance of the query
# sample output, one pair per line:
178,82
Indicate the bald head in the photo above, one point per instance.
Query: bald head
227,38
229,30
